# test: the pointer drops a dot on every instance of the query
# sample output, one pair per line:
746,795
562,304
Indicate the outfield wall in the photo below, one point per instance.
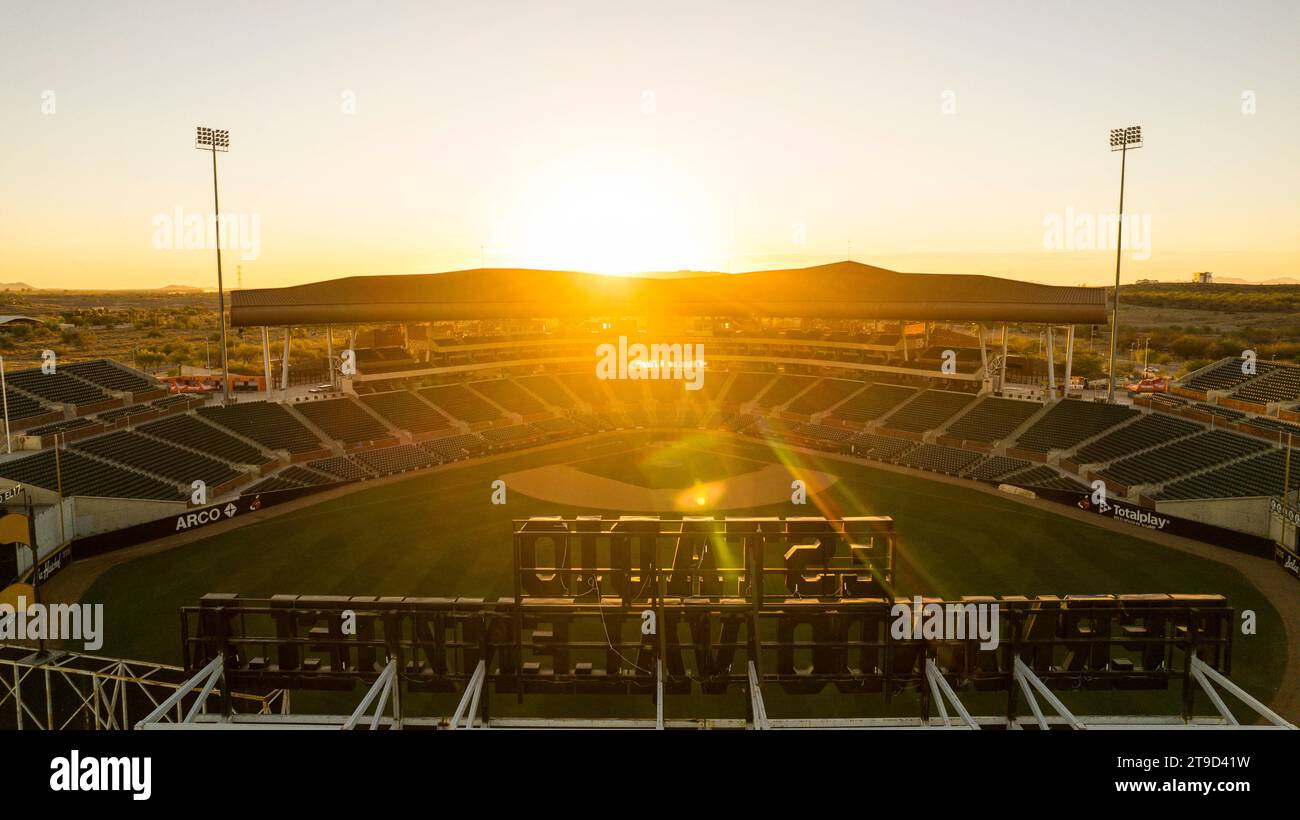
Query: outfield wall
1248,515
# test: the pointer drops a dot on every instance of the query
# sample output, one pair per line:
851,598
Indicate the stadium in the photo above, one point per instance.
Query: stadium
460,520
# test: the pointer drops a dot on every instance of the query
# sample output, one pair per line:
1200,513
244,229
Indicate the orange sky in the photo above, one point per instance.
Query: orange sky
618,138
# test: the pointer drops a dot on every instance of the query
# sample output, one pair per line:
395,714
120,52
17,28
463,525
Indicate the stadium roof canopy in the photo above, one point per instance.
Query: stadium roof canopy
843,290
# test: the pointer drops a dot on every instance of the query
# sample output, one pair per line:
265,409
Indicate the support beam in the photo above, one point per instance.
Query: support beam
756,699
1069,356
329,352
1027,679
284,365
266,361
984,351
469,699
1207,673
207,675
383,685
1002,379
1051,364
939,688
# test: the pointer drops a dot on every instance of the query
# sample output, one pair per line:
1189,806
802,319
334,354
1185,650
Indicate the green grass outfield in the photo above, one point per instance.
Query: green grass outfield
438,534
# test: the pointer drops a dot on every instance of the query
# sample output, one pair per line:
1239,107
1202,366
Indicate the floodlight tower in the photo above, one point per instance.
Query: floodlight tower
1122,140
214,140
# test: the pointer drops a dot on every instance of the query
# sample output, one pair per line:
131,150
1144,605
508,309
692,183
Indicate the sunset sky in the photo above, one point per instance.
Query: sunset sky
406,138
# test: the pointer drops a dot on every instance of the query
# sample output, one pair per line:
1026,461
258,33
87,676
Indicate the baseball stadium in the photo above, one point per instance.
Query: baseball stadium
516,498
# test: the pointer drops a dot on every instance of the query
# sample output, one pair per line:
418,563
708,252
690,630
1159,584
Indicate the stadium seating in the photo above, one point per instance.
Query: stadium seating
997,467
454,448
157,457
824,395
1225,375
993,419
1046,478
880,448
343,420
389,460
1069,422
940,459
510,396
928,411
190,431
267,423
746,387
548,390
1146,432
456,400
873,402
1178,458
22,406
1281,384
785,388
406,411
1260,475
57,387
107,375
343,467
586,387
64,426
84,475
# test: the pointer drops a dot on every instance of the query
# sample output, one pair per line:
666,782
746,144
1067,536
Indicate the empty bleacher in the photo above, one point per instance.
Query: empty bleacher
548,389
23,407
1045,478
83,475
456,400
158,457
826,394
110,376
389,460
745,387
785,388
1177,458
343,420
1281,384
454,448
406,411
267,423
1148,431
873,402
1225,375
1069,422
57,387
880,448
928,411
586,387
510,396
993,419
1260,475
997,467
346,468
189,431
940,459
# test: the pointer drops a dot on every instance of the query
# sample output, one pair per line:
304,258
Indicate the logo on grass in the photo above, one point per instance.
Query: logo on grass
683,362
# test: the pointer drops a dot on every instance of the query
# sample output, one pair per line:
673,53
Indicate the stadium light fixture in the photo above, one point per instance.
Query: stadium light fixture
1122,140
216,140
